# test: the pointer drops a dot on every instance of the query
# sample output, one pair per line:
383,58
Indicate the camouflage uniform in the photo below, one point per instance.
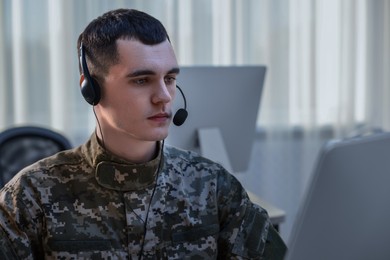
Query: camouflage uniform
88,204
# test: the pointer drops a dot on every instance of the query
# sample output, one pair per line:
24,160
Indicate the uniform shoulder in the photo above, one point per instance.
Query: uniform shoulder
172,152
52,166
184,158
67,157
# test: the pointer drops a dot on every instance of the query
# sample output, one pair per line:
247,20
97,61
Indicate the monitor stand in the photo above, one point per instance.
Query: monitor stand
213,147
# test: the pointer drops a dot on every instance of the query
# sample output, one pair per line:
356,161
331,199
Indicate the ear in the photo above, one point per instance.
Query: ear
81,79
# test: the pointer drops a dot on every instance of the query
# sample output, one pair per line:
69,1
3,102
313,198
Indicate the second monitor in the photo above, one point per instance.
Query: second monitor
224,98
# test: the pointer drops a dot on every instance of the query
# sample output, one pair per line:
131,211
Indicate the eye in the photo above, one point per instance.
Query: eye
170,80
140,81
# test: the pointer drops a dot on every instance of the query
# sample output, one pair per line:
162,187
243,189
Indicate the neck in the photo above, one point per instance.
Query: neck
128,148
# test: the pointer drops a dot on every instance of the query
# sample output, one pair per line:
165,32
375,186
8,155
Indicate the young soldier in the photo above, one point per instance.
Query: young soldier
123,194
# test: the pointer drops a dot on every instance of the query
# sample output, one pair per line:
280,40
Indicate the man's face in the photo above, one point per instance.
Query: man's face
137,93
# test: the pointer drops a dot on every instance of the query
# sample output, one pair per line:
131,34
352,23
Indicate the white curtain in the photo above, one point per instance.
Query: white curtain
328,70
328,60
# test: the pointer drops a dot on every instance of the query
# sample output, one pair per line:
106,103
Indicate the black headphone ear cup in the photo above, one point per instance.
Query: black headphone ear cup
90,90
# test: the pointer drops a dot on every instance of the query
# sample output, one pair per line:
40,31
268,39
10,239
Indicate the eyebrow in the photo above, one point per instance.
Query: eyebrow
143,72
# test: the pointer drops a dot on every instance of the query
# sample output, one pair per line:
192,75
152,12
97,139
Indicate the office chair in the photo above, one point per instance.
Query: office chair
23,145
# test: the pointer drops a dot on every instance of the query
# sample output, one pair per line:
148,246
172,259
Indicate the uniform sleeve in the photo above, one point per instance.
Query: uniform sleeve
245,228
6,247
19,225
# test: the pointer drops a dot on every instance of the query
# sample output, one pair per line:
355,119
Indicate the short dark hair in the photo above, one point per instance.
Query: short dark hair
100,36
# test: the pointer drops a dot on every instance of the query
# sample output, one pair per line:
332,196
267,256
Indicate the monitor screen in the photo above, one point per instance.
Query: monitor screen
345,211
225,97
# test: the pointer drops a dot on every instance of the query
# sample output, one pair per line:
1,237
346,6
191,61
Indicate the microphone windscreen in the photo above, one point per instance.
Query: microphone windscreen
180,117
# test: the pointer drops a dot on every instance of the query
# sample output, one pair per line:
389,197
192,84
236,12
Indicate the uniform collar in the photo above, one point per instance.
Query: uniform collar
116,173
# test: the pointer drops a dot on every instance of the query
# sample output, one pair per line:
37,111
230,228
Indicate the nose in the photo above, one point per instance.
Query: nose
163,93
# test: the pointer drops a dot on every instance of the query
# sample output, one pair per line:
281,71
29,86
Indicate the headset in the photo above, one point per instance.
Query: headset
90,90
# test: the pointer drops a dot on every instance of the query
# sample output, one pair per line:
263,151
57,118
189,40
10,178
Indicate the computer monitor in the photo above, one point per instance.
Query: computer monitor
225,97
345,213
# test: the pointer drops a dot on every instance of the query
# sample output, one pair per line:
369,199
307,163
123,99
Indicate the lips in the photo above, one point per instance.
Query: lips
160,116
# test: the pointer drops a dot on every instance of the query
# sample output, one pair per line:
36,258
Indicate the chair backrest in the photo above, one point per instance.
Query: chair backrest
24,145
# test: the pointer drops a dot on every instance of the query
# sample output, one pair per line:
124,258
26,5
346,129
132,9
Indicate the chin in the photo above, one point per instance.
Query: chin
160,135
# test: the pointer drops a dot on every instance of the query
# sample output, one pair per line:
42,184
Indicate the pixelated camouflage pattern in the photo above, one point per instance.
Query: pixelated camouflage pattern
88,204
